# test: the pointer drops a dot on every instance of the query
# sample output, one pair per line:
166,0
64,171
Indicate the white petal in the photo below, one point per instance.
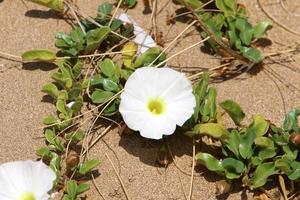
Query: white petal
143,83
43,178
142,38
156,127
148,83
17,178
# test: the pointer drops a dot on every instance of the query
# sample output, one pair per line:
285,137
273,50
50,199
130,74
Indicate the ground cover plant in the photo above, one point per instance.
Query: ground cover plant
108,68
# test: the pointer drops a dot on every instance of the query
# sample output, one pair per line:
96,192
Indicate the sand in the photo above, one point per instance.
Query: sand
22,106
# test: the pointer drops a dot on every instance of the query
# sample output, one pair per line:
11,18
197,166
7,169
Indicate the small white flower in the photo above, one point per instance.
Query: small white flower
25,180
142,38
155,100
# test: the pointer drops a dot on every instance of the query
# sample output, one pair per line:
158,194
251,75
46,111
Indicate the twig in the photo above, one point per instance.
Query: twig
171,43
185,196
115,12
76,17
193,169
283,188
96,140
96,187
120,180
180,52
211,69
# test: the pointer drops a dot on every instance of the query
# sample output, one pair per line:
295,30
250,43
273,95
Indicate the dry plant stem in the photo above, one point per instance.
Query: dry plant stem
193,169
175,163
97,188
213,37
18,58
119,177
115,12
282,186
107,129
276,21
91,127
153,19
171,43
180,52
76,17
211,69
182,187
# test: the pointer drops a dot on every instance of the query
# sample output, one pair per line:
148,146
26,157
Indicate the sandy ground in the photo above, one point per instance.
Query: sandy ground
22,108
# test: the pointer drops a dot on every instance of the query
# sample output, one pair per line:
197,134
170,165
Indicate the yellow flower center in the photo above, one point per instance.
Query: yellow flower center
27,196
156,106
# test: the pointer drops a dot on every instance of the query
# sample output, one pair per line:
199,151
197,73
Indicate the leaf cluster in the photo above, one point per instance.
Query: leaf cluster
228,21
251,153
73,86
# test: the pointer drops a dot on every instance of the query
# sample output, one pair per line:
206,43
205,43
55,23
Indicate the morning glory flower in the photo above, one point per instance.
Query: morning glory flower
142,38
155,100
25,180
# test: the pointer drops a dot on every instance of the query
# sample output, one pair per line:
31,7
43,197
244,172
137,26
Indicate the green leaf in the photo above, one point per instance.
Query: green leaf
233,168
39,55
104,9
72,189
50,136
209,106
291,121
55,163
289,153
212,129
101,96
246,142
234,110
106,84
109,85
195,4
266,153
259,125
233,142
129,3
107,67
200,92
75,136
148,57
57,5
95,37
261,27
49,120
283,164
262,173
296,171
44,152
282,139
210,162
50,89
264,142
83,187
201,87
231,4
252,54
88,166
128,54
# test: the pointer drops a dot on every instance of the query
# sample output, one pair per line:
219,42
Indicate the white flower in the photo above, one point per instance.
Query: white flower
142,38
155,100
25,180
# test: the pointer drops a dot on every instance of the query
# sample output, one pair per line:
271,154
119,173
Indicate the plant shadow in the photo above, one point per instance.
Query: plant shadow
39,65
43,14
147,150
